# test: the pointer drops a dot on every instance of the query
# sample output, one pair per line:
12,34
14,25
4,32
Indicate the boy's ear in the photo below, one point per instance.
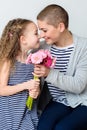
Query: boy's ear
61,27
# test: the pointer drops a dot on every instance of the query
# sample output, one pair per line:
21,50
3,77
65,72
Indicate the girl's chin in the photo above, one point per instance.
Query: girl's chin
37,46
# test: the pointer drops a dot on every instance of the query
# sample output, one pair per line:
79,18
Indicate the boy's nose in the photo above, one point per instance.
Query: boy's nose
42,35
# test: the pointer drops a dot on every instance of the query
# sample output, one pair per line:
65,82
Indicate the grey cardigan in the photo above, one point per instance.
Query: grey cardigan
75,80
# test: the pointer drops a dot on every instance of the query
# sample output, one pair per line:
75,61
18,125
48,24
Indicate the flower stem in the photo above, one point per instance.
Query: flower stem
29,102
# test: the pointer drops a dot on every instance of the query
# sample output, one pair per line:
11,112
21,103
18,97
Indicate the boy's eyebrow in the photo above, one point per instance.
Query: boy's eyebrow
41,28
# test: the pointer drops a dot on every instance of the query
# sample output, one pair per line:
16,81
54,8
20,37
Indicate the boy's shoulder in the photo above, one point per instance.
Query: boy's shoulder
81,41
44,45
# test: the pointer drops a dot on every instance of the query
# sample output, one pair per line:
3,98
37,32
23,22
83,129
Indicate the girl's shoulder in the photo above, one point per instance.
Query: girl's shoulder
5,65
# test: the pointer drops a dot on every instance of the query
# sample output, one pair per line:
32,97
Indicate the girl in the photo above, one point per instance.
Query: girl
16,79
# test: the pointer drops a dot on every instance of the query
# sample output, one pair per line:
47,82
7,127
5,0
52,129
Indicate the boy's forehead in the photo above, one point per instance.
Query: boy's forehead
42,23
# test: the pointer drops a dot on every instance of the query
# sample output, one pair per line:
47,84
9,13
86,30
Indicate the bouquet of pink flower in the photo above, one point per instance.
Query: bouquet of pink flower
43,57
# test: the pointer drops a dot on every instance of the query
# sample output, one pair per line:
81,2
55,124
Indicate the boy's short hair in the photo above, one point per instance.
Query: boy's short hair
54,14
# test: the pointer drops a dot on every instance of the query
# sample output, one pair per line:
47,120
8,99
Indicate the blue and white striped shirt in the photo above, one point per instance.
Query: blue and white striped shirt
62,58
14,114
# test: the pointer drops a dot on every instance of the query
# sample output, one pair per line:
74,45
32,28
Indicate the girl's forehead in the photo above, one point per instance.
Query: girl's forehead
31,26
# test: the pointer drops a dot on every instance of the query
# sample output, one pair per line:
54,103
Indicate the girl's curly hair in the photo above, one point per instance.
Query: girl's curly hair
9,42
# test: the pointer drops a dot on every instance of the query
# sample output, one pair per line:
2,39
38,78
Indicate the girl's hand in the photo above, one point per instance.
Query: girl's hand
34,93
31,84
41,71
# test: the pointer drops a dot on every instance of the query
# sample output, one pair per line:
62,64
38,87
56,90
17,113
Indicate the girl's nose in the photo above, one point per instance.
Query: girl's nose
39,36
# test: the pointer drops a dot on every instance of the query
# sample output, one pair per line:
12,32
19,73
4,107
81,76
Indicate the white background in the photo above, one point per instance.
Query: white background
29,9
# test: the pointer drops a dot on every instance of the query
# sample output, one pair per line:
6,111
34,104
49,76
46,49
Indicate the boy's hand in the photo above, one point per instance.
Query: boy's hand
41,71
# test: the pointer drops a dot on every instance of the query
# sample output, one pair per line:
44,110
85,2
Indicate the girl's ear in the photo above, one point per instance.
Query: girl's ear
61,27
22,39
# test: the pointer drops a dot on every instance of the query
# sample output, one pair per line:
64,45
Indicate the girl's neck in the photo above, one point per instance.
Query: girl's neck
21,57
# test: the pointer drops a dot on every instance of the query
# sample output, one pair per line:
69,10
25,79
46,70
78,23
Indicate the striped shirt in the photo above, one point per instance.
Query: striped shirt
14,114
62,58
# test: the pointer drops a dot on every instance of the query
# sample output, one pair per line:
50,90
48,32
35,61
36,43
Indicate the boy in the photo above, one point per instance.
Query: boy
67,82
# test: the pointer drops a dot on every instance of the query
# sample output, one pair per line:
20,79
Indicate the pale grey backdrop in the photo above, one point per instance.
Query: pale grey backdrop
77,10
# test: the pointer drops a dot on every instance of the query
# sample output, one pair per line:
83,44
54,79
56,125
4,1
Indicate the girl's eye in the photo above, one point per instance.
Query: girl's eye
36,33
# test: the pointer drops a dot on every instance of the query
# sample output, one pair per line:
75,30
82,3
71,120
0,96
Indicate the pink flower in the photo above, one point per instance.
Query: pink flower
29,59
41,57
36,58
47,61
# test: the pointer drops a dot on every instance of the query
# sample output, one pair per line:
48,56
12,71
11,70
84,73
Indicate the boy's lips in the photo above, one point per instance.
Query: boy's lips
46,38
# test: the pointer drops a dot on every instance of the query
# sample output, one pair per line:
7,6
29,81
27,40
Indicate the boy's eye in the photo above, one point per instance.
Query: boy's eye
44,30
